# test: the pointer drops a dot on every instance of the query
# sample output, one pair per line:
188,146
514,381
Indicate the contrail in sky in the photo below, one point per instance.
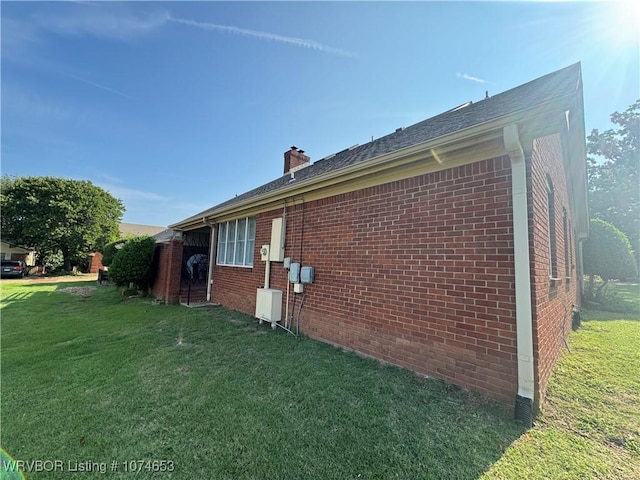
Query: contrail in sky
466,76
97,85
298,42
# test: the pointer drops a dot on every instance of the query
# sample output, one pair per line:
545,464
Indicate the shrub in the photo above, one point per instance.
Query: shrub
132,263
608,298
50,260
109,251
607,254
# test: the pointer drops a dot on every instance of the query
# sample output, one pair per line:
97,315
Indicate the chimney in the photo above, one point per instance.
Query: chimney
295,159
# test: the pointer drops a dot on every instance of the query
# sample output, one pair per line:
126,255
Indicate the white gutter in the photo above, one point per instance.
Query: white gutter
524,323
212,249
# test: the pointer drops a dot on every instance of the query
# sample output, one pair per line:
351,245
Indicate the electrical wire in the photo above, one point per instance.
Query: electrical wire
299,313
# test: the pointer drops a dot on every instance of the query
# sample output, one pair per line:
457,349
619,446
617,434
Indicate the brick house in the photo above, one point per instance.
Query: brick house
450,247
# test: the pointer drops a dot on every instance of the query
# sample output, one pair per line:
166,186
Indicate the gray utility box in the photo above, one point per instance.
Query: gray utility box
307,274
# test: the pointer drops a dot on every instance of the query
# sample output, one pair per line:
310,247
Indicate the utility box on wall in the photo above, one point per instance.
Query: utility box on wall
277,240
269,305
307,274
294,272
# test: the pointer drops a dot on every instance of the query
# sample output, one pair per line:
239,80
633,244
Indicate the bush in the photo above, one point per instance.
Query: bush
607,254
109,251
51,260
132,263
608,298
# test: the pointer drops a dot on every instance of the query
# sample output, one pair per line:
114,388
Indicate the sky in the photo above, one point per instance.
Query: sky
174,107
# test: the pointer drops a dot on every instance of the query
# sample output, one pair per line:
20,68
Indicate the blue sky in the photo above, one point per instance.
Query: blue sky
177,106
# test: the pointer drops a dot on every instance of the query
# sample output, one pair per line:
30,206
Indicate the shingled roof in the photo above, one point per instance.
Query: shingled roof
562,83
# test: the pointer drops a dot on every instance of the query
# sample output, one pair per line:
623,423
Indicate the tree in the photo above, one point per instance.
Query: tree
52,214
607,253
132,263
614,174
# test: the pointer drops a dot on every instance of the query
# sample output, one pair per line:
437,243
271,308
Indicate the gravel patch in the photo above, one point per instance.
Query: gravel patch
80,291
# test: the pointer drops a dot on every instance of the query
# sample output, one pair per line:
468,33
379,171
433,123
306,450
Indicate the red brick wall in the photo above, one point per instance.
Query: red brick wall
96,262
552,299
418,273
158,289
169,263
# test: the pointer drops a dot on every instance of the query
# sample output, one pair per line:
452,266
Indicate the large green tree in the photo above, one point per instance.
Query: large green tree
73,217
614,174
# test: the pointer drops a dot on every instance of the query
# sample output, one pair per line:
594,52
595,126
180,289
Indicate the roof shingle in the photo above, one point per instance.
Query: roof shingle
564,82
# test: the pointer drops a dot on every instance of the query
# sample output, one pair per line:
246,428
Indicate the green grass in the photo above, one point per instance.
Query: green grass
629,294
102,379
615,297
590,424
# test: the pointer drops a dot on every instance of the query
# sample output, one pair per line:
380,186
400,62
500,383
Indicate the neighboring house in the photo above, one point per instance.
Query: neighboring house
126,230
11,251
135,230
451,247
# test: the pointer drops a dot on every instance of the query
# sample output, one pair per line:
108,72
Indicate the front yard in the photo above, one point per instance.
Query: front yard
99,381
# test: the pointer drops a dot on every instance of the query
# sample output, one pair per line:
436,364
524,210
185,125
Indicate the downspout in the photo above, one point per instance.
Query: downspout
580,263
212,249
524,322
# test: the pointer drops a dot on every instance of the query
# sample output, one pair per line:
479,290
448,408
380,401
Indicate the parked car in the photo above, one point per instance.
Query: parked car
12,269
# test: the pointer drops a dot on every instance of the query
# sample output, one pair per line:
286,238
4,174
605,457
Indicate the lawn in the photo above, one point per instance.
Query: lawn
590,424
96,380
629,294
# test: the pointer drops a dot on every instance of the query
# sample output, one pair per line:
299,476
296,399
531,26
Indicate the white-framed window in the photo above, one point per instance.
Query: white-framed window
236,239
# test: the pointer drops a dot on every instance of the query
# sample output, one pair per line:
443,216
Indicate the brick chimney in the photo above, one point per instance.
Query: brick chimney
295,159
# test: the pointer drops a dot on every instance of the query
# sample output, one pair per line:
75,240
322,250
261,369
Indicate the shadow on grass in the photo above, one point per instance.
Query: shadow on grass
440,429
20,291
21,294
224,397
604,316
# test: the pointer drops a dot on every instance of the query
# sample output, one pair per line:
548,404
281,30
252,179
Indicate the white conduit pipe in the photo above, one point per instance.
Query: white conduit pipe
212,249
267,272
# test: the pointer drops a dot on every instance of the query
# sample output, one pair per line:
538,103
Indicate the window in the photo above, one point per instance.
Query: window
551,230
571,254
236,240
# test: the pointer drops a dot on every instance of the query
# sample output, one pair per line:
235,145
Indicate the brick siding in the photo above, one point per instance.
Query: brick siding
166,284
96,262
417,272
552,299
